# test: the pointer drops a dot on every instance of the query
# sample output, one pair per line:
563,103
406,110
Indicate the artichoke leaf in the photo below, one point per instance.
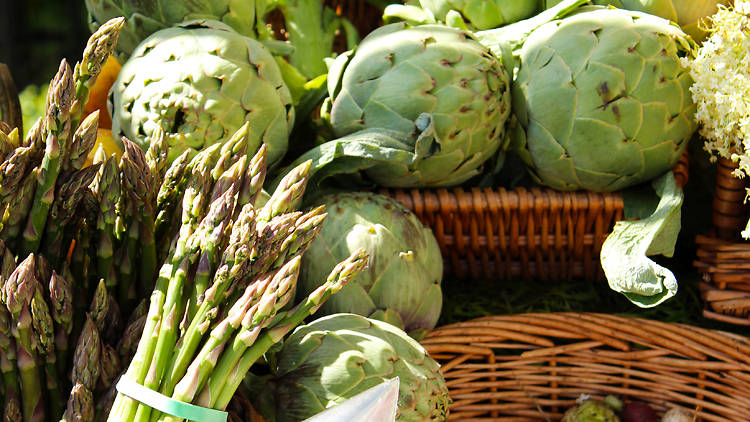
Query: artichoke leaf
624,255
409,13
354,153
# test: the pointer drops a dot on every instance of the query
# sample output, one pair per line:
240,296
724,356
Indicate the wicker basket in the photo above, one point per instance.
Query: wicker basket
534,233
532,367
722,257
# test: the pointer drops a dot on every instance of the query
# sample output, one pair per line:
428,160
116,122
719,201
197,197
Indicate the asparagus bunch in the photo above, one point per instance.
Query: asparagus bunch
223,294
36,327
63,141
58,214
35,316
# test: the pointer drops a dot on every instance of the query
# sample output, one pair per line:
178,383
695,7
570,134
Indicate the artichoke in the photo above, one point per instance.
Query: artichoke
473,14
199,82
334,358
602,99
438,86
402,283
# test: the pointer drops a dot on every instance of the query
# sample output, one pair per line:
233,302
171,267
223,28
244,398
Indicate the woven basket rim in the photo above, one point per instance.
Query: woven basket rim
534,366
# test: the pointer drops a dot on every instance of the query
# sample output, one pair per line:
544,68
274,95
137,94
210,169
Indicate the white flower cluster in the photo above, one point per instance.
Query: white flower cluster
721,88
722,85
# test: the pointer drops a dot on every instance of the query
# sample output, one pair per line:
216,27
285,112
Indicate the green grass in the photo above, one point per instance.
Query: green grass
465,300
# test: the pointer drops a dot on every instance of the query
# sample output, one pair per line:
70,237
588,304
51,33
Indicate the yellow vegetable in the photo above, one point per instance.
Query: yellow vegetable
99,92
106,143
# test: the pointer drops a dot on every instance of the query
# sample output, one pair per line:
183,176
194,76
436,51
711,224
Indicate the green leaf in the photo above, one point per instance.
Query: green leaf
625,252
413,14
353,153
515,34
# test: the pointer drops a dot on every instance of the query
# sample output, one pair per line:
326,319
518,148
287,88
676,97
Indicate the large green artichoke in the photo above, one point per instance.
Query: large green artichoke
199,82
437,85
402,282
334,358
602,99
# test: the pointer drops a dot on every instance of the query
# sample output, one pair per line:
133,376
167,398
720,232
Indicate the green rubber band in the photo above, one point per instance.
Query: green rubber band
169,405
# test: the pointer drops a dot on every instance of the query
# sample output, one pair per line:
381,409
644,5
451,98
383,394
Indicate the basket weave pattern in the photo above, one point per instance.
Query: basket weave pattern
536,233
532,367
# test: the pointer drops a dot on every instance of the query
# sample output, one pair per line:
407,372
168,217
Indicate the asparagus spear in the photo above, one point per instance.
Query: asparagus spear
231,151
18,206
135,193
223,384
105,312
34,137
170,192
86,358
56,132
61,299
306,228
18,291
109,193
99,47
12,412
14,169
83,142
129,341
156,158
80,406
110,366
43,326
256,176
288,194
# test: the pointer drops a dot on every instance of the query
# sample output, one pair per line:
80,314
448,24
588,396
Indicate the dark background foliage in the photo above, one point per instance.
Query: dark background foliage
36,34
